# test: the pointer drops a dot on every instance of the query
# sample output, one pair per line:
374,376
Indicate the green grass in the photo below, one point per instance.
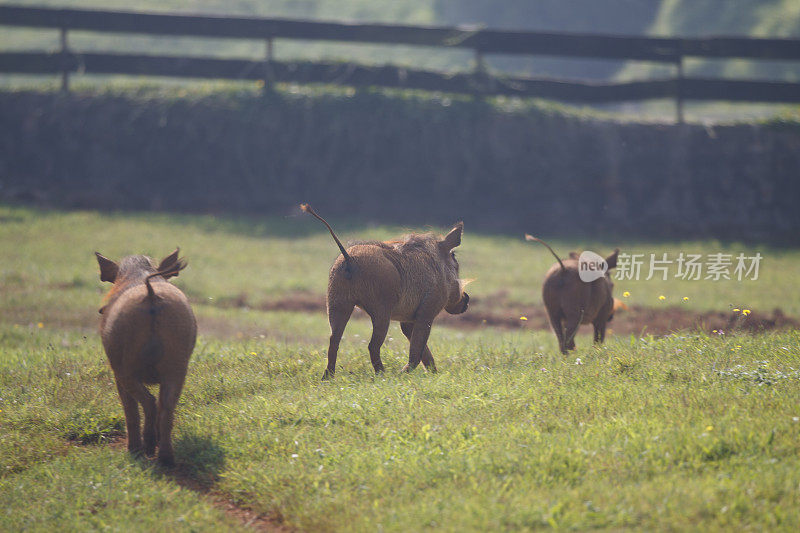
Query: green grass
685,431
96,489
49,274
644,433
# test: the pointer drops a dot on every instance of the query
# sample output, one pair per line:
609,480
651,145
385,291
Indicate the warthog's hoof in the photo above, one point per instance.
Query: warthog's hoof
328,375
409,367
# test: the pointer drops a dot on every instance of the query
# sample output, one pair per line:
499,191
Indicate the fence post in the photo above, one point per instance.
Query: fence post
63,60
679,90
480,73
268,74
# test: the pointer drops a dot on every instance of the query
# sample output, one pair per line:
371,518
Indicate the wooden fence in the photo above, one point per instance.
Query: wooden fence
480,41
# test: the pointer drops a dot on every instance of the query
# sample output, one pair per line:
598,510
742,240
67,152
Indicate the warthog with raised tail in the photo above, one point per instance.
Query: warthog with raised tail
409,280
570,301
148,331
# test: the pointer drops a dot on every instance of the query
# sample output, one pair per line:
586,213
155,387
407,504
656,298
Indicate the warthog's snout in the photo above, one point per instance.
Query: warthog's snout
464,303
459,307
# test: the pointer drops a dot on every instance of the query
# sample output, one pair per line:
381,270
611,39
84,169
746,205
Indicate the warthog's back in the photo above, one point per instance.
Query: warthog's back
149,338
394,273
566,292
375,277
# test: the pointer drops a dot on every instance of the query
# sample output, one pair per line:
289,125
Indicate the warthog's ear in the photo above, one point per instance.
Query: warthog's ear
452,239
171,265
108,268
611,260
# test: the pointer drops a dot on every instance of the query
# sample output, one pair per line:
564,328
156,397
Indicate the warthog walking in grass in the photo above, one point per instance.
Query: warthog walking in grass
148,331
570,301
409,280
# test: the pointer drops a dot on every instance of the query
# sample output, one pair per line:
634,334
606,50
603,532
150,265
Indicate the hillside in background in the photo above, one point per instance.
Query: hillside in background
774,18
764,18
385,11
631,17
777,18
417,11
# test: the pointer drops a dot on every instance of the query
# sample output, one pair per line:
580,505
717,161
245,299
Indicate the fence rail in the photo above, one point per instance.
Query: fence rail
481,41
393,77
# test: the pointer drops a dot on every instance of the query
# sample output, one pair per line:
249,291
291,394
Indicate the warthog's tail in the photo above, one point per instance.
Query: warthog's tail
152,351
532,238
172,270
348,262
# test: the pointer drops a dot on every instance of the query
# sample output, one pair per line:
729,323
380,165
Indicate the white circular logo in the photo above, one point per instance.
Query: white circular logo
591,266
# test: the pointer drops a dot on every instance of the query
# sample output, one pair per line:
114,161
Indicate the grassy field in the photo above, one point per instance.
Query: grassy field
48,270
674,432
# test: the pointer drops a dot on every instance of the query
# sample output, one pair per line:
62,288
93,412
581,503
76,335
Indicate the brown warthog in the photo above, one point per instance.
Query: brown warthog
148,331
409,280
571,301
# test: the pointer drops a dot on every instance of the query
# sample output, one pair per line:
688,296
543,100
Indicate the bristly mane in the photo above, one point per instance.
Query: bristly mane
417,240
405,243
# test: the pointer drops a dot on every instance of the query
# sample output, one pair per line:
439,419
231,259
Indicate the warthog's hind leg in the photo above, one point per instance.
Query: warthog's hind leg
167,400
143,396
380,327
558,329
570,330
599,332
337,317
427,356
132,422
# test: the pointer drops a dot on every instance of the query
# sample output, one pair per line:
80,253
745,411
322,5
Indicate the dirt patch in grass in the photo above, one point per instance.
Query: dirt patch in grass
247,517
186,476
499,312
297,302
495,311
662,321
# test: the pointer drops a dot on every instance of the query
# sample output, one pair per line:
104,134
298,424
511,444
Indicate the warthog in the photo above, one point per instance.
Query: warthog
409,280
571,302
148,331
